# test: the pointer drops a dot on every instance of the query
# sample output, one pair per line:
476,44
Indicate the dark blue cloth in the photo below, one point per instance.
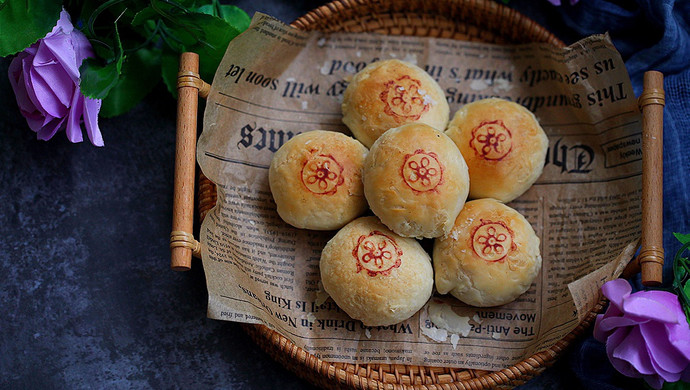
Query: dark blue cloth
650,35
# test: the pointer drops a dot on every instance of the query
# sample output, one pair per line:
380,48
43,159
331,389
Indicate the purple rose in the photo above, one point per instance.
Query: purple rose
45,80
646,334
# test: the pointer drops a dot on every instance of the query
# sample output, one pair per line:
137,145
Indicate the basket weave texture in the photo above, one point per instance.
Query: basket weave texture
469,20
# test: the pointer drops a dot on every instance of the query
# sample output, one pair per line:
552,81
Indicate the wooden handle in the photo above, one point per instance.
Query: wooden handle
182,243
651,257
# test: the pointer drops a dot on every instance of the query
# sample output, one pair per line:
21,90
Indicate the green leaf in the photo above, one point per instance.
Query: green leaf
681,277
104,52
140,73
170,64
191,3
680,273
208,9
676,386
97,80
683,238
23,22
203,34
235,16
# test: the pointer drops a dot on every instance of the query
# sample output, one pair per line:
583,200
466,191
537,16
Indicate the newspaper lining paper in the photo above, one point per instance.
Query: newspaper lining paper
275,82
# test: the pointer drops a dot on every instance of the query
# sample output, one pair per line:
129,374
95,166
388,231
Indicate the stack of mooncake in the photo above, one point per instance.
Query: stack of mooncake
415,171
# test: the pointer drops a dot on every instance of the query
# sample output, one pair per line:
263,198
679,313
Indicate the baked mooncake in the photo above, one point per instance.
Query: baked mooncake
416,181
504,147
490,257
387,94
374,275
316,180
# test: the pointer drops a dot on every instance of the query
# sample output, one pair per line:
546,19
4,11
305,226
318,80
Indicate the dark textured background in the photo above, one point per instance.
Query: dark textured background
87,298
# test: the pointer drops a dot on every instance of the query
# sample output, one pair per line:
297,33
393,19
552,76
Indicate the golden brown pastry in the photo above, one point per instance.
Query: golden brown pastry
490,257
504,147
416,180
374,275
387,94
316,180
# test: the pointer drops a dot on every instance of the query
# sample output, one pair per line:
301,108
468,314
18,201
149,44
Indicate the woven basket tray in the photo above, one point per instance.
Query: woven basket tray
470,20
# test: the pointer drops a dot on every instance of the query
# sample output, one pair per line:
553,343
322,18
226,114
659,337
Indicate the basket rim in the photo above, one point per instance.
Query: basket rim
338,6
319,372
308,366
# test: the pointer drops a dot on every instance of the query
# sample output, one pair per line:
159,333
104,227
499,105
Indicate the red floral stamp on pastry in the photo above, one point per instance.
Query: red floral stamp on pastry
492,241
377,254
404,99
422,171
492,140
322,174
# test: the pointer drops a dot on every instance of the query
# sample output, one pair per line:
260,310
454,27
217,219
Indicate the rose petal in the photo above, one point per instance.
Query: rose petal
58,81
61,49
82,47
45,120
686,375
667,298
64,24
62,86
605,324
16,76
48,130
644,304
28,85
662,352
598,333
612,343
47,101
73,130
616,290
609,324
35,121
57,66
679,336
654,381
665,375
91,109
14,71
43,54
632,350
613,311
